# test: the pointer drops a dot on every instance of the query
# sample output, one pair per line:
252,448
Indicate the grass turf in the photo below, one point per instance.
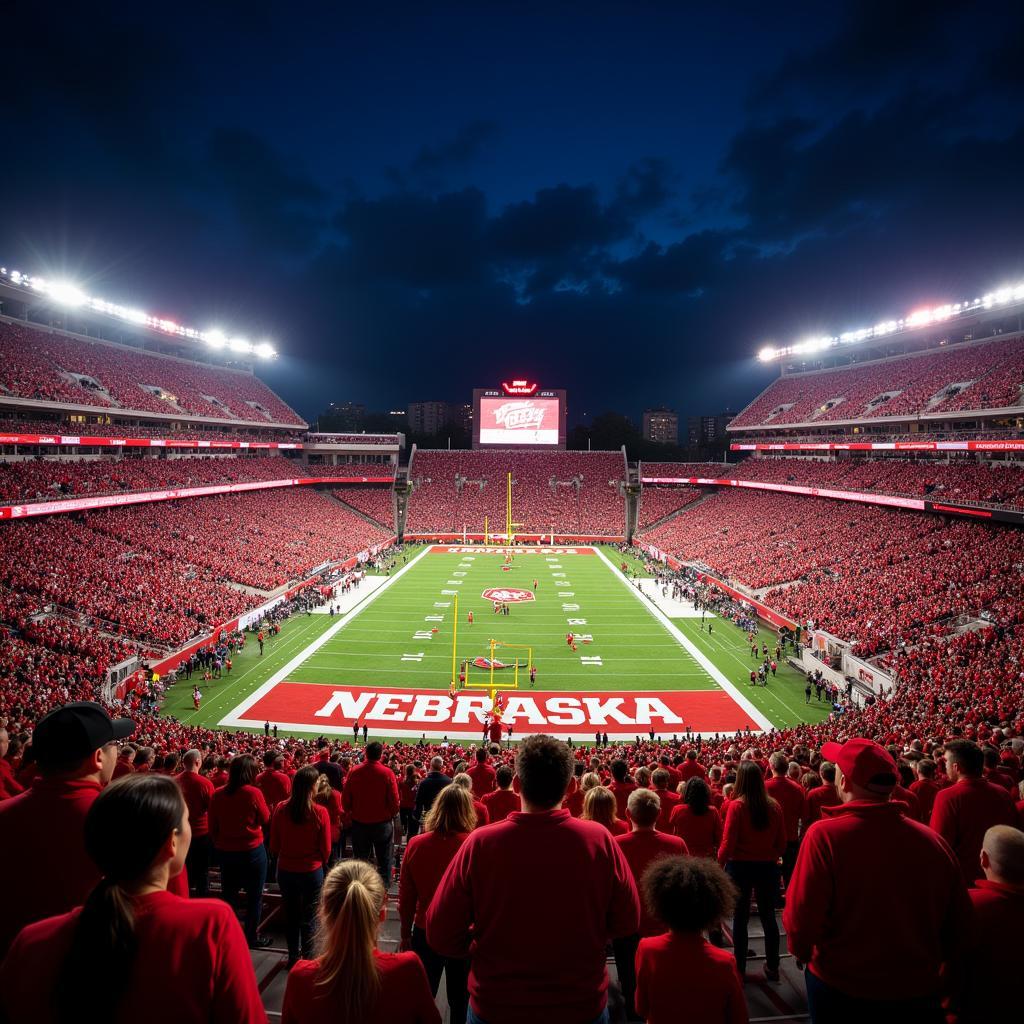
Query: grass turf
578,592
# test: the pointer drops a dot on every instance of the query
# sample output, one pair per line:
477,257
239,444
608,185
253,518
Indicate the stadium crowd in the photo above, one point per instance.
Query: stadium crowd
162,431
43,364
986,376
573,492
376,502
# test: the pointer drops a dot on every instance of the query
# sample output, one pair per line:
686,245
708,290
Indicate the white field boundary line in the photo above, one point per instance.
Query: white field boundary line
235,717
688,645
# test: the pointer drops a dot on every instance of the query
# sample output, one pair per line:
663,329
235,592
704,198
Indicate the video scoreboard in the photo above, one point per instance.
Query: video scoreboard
518,414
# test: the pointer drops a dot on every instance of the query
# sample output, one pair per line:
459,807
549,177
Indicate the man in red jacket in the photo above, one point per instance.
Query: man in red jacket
44,869
925,788
641,848
198,792
825,795
501,802
863,859
483,775
9,786
536,943
998,901
371,797
273,781
792,799
966,810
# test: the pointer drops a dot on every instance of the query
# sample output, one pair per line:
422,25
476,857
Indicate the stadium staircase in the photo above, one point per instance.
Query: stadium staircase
780,1002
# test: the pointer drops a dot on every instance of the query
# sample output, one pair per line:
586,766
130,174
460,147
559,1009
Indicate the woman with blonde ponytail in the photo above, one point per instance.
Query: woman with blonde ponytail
351,982
134,951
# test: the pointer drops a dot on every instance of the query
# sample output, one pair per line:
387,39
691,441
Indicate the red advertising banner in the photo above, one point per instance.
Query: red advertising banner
46,508
880,446
142,442
389,710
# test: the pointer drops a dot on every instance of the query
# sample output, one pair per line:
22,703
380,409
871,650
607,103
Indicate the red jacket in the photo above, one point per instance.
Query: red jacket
641,849
44,869
198,793
274,785
237,819
491,900
335,813
9,785
501,803
427,857
819,797
192,964
702,833
485,779
404,996
741,841
668,801
301,847
682,978
371,793
621,791
964,812
926,791
993,958
876,903
792,799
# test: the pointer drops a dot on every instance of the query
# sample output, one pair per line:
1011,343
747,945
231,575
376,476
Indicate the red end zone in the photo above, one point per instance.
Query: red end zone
313,707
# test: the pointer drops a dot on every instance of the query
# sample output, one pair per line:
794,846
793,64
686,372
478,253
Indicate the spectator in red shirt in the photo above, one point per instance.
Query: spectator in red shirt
351,980
641,847
198,792
791,797
622,785
666,798
692,768
753,840
925,788
327,796
600,805
447,826
483,775
125,761
111,958
825,795
44,867
680,976
238,814
696,820
482,817
300,838
967,809
491,899
503,801
9,785
998,901
273,782
407,801
861,860
371,797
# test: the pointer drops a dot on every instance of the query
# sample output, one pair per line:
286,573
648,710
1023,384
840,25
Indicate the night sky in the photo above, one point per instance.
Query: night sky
626,200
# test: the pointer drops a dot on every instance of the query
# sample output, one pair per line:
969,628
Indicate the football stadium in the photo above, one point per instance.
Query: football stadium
309,722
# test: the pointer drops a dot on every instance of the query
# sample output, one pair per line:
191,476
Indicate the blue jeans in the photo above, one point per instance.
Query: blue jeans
472,1018
827,1005
300,892
245,869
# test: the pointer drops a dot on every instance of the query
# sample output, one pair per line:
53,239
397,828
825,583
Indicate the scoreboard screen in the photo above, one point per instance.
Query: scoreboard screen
518,415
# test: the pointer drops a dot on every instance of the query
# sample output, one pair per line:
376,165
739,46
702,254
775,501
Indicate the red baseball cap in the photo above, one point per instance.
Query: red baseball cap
864,763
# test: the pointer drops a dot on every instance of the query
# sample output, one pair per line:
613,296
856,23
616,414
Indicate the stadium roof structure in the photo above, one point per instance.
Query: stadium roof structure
67,296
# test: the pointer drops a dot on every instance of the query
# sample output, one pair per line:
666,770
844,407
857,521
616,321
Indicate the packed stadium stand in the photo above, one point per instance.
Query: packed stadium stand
377,503
983,376
44,365
568,492
658,502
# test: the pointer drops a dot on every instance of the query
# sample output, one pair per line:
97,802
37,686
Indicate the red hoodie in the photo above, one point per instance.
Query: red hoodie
741,841
993,958
964,812
876,904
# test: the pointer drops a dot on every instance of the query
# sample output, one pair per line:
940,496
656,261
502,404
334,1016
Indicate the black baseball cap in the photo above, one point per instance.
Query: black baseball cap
72,732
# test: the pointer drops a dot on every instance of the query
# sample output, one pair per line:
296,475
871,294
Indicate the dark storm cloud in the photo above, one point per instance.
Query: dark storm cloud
465,147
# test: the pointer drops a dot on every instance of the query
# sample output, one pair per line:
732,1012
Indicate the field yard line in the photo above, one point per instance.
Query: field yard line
233,718
688,645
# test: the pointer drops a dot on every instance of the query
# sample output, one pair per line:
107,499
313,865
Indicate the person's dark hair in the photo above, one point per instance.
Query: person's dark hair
750,789
268,759
991,756
688,894
504,776
620,770
697,795
967,755
410,773
300,802
481,755
126,827
241,772
544,765
926,768
827,771
373,751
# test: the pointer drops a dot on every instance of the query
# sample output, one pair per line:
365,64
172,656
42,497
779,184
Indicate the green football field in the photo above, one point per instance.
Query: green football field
387,662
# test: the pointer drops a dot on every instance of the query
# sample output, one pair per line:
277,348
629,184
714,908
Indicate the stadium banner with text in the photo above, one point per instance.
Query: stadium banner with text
880,446
520,538
519,421
389,710
479,549
892,500
46,508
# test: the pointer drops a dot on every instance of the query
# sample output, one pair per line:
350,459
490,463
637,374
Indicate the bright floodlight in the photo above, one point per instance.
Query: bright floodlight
767,354
265,350
66,293
240,345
